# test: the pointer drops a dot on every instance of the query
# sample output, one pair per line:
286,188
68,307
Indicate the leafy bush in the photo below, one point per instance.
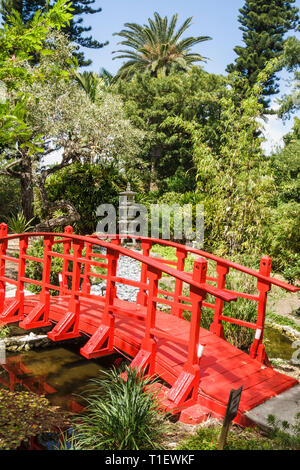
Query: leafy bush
120,414
24,415
170,199
292,271
207,438
86,186
9,196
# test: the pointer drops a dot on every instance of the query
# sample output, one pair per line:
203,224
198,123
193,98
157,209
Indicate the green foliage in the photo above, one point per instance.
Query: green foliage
292,272
120,414
285,435
24,415
9,197
264,24
157,48
74,30
18,43
4,331
86,186
238,439
166,160
282,239
18,224
232,173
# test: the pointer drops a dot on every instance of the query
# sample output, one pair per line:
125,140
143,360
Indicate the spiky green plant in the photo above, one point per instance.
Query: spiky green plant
120,414
156,47
17,223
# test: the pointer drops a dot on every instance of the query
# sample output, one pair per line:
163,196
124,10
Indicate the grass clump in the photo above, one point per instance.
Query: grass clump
282,436
120,414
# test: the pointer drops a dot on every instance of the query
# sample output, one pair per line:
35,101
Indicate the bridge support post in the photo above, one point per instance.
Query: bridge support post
3,248
145,359
102,341
185,390
257,350
217,327
39,316
68,326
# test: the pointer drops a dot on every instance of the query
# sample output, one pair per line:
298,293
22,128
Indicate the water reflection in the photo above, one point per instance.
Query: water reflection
61,374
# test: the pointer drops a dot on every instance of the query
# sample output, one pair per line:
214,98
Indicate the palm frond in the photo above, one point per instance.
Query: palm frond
157,47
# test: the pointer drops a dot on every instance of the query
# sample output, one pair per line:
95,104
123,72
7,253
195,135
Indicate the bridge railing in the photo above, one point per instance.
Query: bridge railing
82,257
76,282
75,286
178,302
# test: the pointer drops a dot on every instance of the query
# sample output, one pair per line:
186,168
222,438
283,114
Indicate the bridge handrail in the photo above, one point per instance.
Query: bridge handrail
227,297
212,257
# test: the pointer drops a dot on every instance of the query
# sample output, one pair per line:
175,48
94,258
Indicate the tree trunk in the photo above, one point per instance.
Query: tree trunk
26,181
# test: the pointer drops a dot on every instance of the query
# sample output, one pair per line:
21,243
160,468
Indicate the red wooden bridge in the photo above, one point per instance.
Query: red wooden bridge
198,366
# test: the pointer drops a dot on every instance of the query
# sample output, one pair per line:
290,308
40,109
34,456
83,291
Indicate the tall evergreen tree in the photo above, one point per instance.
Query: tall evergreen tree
74,31
264,25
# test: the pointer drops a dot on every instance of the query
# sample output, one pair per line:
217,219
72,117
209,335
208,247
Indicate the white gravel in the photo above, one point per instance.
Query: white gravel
129,269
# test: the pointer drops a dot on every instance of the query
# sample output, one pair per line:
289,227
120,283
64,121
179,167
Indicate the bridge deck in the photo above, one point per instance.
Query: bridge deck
223,366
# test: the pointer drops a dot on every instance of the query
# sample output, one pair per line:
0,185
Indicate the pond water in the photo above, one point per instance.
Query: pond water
278,345
61,374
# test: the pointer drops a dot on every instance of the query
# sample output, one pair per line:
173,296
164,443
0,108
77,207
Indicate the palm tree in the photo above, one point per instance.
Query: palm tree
157,47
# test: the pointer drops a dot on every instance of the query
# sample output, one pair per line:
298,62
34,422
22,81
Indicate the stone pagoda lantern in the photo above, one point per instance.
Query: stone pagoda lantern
126,201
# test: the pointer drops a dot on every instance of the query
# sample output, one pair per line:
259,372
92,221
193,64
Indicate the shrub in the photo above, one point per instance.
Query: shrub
120,414
207,438
18,224
86,186
24,415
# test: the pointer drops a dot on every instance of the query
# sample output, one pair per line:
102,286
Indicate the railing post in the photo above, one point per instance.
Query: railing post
197,297
86,285
217,327
145,359
39,316
142,294
67,243
185,389
181,256
257,349
23,245
102,341
3,248
111,288
68,326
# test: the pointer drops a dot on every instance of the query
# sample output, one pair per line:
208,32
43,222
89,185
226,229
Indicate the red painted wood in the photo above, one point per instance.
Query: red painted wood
199,366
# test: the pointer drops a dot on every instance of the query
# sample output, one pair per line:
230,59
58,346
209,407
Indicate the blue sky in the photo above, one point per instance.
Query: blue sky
215,18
